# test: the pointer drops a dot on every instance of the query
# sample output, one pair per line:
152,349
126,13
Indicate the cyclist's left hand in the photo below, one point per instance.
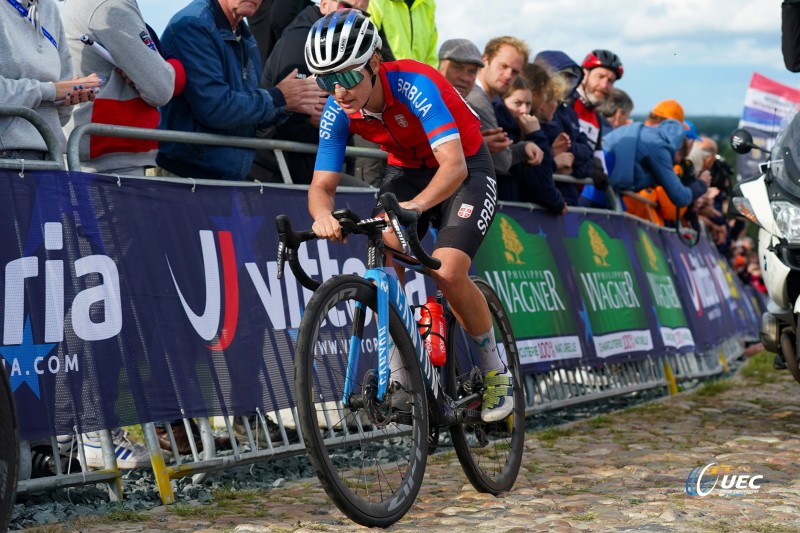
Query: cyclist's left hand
413,206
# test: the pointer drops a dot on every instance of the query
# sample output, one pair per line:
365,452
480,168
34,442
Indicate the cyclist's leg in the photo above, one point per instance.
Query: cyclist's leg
465,220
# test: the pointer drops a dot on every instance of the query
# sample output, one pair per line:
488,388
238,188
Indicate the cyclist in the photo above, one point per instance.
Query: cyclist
438,165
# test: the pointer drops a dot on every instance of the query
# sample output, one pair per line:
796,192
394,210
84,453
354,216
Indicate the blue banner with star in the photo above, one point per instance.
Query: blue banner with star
144,300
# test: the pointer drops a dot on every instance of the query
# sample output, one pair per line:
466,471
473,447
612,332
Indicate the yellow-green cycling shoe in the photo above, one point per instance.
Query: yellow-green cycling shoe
498,400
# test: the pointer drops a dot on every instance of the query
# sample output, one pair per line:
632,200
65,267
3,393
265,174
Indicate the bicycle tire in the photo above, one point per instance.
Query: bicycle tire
489,453
9,451
348,448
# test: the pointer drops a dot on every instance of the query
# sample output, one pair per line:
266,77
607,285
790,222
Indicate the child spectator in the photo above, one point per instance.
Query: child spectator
527,183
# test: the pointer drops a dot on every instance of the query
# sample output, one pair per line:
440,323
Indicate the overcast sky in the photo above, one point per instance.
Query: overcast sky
700,52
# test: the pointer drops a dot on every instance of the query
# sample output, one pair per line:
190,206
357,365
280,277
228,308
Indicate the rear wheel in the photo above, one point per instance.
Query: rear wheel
490,453
9,451
370,455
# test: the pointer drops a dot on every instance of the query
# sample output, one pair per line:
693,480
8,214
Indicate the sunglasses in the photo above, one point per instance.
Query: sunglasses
346,80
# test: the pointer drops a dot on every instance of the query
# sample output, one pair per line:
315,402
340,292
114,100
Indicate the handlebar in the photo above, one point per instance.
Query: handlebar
289,240
408,217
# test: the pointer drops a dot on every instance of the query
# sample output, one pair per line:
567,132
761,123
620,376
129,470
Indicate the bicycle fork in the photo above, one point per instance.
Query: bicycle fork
445,411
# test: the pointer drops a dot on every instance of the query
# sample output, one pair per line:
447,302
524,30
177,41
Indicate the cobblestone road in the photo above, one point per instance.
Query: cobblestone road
624,471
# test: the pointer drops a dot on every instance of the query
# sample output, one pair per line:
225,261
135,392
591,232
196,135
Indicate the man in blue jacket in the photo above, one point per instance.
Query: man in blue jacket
640,156
222,93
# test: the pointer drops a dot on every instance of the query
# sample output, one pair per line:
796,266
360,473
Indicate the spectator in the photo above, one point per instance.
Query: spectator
601,69
644,157
504,58
36,73
565,120
528,183
408,26
459,61
666,213
554,92
222,93
615,111
289,55
703,156
138,82
269,21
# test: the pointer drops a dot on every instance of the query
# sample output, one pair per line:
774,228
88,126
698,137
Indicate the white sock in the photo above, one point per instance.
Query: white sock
398,371
487,346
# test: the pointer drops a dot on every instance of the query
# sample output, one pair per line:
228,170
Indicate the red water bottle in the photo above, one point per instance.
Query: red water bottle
432,327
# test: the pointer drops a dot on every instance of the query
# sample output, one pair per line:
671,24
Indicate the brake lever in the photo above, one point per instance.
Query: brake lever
398,230
281,255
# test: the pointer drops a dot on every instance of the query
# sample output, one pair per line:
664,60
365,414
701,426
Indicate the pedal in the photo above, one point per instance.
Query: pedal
779,363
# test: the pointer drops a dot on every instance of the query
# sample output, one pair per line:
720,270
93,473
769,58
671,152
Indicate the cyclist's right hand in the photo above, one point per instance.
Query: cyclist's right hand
327,227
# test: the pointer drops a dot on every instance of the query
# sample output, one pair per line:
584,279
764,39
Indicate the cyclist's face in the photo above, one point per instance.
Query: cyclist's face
352,100
502,70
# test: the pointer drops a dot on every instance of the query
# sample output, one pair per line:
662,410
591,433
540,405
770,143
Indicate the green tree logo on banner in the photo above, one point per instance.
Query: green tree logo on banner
610,293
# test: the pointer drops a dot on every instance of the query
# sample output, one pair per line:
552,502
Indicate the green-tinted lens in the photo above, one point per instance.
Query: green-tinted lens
347,80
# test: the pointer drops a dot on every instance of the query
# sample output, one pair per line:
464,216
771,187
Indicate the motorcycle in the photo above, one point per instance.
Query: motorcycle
772,201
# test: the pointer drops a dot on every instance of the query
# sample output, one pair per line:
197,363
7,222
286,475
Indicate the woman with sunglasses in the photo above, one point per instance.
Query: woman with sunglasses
438,164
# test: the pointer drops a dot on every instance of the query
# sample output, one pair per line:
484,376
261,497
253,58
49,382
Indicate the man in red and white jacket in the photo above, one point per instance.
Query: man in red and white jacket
141,78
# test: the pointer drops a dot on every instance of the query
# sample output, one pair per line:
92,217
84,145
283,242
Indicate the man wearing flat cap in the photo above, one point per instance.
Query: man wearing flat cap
459,61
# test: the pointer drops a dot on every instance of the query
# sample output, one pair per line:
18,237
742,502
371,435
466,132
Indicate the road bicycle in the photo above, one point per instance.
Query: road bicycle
371,406
9,451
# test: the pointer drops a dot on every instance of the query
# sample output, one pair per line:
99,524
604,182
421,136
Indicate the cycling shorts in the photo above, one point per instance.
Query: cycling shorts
463,219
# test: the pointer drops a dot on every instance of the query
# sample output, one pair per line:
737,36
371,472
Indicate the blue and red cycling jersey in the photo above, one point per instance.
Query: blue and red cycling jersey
422,110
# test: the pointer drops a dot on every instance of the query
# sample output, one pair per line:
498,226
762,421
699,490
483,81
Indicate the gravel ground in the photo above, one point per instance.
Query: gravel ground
140,490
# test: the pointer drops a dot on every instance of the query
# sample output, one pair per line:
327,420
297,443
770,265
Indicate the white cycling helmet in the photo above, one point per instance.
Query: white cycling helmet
342,39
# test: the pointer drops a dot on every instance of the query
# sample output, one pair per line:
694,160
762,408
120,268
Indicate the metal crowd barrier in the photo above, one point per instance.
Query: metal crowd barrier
555,389
55,159
278,146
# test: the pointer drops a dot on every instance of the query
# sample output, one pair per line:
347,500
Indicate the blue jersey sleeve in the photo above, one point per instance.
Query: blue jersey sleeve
421,95
334,129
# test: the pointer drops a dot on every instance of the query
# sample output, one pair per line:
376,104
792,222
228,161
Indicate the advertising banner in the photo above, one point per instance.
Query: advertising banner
610,293
697,283
145,300
672,324
517,258
148,301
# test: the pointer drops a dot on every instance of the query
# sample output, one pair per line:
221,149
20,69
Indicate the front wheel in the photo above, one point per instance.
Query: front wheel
490,453
369,454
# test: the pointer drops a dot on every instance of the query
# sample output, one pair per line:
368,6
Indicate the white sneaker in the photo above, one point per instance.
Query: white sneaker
129,455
